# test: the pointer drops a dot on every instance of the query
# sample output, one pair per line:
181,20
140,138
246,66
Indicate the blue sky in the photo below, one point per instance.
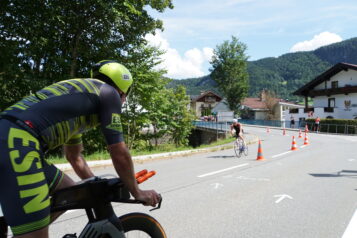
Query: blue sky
269,28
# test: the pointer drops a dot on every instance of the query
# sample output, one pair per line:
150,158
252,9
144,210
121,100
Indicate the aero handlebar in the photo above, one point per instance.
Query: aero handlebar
143,175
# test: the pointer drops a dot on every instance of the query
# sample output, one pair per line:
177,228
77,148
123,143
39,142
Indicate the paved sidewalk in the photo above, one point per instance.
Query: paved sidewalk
142,158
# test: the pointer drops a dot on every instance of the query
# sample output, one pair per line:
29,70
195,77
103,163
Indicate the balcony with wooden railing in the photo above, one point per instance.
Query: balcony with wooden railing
332,91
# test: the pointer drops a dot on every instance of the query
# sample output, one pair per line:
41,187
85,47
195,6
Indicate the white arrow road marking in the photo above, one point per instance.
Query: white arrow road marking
281,197
217,185
222,170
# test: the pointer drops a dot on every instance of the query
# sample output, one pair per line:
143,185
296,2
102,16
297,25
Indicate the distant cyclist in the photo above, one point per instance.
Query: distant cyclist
54,116
237,130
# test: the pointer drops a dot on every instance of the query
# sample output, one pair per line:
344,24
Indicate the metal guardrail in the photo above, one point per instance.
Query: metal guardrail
220,126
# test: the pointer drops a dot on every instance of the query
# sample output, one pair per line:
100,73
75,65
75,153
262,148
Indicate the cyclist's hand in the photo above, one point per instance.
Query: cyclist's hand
148,197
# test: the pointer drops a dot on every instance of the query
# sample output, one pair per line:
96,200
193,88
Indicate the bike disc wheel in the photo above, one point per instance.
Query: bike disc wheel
237,149
141,225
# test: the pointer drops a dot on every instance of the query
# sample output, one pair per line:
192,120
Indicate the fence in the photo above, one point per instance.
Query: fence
333,128
220,126
324,127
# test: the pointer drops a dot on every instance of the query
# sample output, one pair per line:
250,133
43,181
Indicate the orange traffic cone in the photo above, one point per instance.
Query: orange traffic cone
300,135
260,151
284,132
294,146
268,130
306,128
306,140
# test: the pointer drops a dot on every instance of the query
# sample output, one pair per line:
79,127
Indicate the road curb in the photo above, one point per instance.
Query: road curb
144,158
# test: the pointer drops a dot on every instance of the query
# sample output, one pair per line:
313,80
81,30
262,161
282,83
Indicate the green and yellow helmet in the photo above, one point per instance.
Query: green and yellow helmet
112,71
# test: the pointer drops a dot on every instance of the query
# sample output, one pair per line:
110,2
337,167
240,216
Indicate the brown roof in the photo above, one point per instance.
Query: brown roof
258,104
254,103
201,97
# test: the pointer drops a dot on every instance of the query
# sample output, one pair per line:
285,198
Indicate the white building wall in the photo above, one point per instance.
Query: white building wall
320,101
320,86
260,115
344,78
340,109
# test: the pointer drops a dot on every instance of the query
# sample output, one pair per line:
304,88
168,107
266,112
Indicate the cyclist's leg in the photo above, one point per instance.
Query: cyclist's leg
24,191
42,233
244,143
240,137
56,180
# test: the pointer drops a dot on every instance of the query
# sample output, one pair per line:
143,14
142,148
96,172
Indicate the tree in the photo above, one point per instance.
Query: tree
181,118
270,100
229,71
42,42
47,41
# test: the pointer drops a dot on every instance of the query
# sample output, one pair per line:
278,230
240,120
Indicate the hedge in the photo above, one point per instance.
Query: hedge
341,126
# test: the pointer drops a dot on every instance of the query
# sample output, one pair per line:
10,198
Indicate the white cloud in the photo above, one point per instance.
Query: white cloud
322,39
178,67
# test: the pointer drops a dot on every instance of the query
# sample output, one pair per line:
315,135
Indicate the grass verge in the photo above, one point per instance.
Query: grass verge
103,155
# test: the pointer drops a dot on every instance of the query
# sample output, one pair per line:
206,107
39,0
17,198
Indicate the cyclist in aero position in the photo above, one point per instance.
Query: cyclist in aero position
58,115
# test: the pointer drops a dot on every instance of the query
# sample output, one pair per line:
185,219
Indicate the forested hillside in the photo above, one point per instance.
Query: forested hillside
286,73
195,85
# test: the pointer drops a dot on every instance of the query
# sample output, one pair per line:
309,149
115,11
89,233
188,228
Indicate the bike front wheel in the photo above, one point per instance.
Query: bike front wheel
237,147
245,150
141,225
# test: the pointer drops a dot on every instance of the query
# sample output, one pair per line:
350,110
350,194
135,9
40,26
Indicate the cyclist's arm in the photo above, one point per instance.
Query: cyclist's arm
110,118
231,130
123,164
75,158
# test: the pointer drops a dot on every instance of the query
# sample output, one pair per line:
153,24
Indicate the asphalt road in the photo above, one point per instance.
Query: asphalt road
308,193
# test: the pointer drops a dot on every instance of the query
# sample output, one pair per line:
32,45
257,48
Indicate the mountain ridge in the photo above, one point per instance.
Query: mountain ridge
284,74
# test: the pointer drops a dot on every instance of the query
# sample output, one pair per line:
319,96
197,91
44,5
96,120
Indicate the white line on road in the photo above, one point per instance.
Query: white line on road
222,170
287,152
351,230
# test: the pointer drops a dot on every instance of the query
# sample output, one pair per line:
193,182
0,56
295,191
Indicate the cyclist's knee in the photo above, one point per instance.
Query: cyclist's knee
65,182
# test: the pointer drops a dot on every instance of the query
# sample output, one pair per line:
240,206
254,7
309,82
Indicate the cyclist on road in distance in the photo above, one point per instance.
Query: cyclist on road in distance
58,115
237,127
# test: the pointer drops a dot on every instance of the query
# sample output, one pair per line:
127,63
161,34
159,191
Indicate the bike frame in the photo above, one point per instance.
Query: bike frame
95,196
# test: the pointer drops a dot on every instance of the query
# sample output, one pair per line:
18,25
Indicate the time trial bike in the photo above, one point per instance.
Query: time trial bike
240,147
95,196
